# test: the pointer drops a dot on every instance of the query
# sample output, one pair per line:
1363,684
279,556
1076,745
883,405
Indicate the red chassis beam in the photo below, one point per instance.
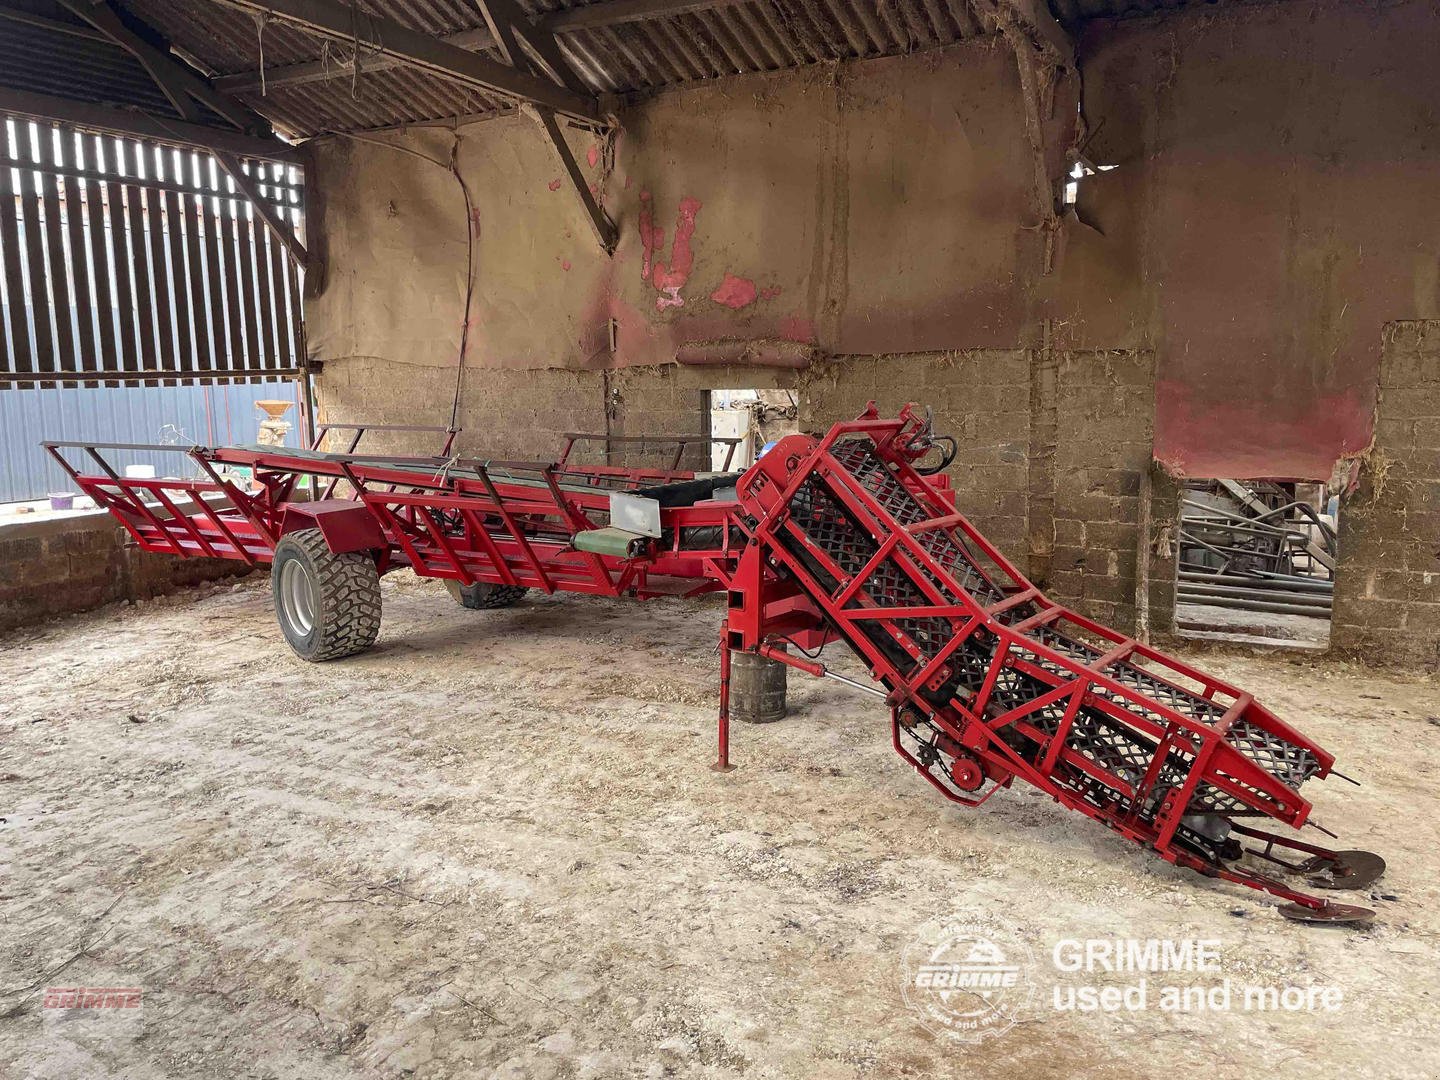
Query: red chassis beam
840,537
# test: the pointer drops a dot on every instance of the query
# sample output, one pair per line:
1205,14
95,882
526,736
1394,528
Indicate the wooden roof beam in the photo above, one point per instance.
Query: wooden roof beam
425,52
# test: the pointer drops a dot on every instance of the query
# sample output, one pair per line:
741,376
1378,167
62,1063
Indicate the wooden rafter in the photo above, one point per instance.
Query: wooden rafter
131,122
426,52
173,78
531,48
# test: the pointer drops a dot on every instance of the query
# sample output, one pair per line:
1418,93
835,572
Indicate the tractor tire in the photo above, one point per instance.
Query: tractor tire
328,605
483,595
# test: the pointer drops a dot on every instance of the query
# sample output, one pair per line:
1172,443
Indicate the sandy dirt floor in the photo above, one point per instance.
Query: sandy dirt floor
492,846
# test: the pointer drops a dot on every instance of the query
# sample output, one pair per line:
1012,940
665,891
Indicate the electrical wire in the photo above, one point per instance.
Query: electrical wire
795,645
453,168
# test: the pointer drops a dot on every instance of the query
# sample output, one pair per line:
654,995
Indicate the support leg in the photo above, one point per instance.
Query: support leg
722,763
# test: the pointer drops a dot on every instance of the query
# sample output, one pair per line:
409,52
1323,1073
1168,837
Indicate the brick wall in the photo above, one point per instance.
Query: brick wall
56,566
1387,589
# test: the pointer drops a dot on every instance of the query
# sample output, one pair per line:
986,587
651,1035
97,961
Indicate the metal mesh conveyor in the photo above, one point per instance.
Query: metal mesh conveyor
989,681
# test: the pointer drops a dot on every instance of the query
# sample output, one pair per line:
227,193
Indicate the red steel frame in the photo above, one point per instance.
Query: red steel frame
971,726
1048,672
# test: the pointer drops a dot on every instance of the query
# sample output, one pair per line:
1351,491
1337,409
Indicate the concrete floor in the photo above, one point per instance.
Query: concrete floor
1208,622
492,847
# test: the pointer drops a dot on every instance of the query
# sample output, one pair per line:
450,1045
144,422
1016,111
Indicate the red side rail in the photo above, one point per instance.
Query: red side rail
442,517
206,520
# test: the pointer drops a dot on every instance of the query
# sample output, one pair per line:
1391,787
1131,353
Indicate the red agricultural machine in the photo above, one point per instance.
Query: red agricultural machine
850,537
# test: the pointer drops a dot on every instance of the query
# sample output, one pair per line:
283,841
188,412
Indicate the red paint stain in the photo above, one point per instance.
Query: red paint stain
770,292
564,264
593,156
668,278
1196,436
671,278
797,328
555,184
735,292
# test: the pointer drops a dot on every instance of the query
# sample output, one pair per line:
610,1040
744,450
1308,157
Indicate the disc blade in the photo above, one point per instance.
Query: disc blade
1336,914
1351,870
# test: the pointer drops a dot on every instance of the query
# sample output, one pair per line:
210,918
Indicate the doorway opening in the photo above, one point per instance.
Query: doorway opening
758,418
1256,562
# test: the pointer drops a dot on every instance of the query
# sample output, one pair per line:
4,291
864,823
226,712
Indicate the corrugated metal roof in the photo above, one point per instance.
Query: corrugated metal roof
73,64
630,57
373,100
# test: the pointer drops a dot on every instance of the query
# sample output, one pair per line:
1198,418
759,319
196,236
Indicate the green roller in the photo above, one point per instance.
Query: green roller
610,541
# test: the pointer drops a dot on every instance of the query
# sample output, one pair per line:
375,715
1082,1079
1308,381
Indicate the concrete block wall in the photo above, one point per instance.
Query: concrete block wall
1053,449
1387,590
504,413
1104,415
672,399
980,397
524,414
57,566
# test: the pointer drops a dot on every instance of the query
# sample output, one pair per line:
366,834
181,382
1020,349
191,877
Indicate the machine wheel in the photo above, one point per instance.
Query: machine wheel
484,595
328,605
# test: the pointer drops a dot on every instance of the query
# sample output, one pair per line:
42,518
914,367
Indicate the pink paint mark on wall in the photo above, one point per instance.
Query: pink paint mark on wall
555,184
1301,441
564,264
770,292
475,221
671,278
593,155
797,328
735,292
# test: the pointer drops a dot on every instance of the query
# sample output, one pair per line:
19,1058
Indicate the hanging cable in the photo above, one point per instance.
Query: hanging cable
453,168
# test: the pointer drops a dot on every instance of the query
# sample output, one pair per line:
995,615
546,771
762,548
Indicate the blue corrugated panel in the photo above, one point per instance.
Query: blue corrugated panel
183,415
